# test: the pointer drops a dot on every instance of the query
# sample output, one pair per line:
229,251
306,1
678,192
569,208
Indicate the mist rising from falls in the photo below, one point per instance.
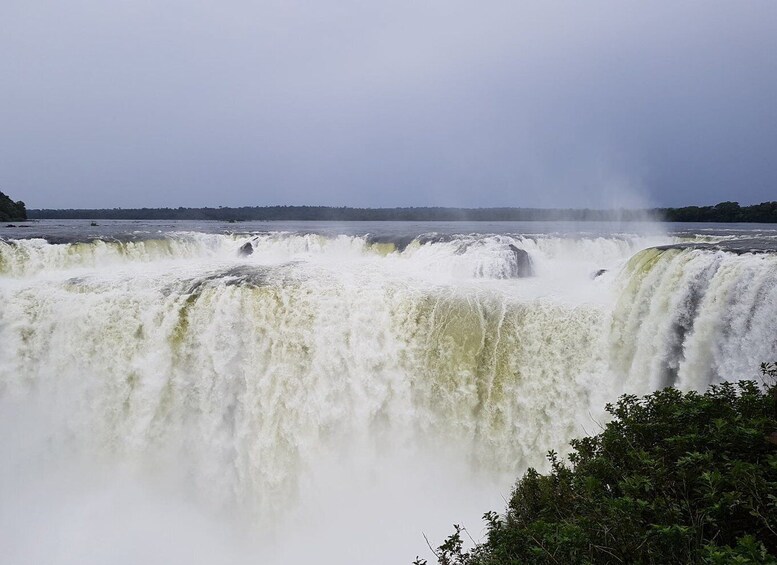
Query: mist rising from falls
317,384
461,256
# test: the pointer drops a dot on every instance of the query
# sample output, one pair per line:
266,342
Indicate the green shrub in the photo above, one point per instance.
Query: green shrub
673,478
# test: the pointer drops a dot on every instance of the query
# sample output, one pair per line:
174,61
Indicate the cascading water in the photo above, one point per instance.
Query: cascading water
309,389
690,316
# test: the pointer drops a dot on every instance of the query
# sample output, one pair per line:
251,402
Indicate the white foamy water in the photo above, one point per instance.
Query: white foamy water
327,398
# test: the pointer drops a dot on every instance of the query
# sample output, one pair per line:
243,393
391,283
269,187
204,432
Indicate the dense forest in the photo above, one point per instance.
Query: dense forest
11,211
724,212
765,212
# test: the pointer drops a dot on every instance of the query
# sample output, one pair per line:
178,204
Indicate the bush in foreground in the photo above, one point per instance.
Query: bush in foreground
673,478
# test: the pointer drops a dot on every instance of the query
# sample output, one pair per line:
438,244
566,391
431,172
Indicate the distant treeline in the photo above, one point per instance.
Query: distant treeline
344,214
723,212
765,212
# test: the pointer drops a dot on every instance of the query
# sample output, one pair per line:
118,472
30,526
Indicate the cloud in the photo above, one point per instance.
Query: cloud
139,103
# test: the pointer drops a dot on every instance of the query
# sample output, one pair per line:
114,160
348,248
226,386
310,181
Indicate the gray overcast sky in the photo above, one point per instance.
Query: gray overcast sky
108,103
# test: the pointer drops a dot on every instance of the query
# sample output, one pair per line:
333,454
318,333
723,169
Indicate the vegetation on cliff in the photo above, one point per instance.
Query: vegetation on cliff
11,211
673,478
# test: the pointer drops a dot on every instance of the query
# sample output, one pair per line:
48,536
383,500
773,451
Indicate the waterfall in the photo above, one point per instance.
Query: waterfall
260,378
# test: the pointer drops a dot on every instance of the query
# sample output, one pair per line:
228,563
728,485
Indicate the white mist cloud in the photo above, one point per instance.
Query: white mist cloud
61,507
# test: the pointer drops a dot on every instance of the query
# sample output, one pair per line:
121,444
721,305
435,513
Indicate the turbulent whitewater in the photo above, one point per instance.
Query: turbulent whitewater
331,386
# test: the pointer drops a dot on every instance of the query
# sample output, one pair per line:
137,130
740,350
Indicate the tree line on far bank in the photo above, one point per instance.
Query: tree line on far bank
766,212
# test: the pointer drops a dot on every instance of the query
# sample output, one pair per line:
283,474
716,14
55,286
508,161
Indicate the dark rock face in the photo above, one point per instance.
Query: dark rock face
598,273
521,266
246,249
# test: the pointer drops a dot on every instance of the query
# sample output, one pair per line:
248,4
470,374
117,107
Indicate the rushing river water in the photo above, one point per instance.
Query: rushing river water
195,392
